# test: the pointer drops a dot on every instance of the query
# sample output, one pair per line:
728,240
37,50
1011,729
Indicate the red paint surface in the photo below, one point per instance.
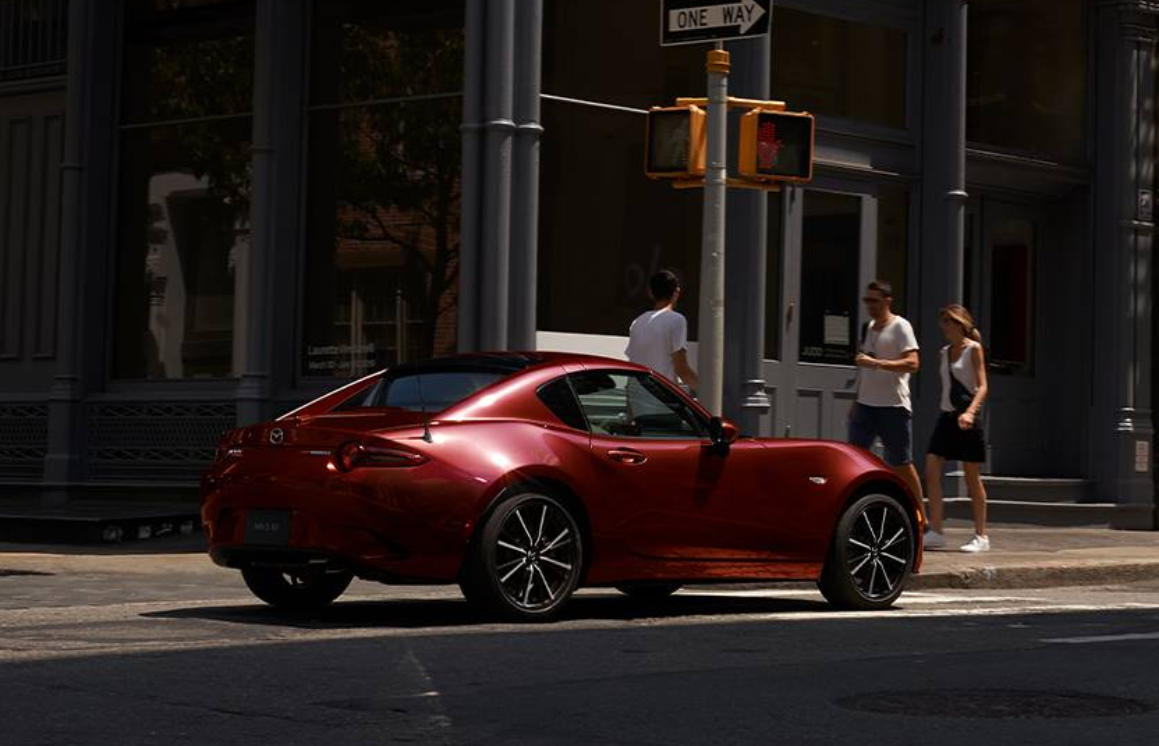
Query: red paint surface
684,513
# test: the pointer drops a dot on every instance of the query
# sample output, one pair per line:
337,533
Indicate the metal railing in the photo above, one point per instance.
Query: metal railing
33,38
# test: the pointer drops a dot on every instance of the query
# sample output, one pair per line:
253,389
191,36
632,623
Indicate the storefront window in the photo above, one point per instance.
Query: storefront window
604,227
839,68
1027,76
381,274
584,55
183,215
830,258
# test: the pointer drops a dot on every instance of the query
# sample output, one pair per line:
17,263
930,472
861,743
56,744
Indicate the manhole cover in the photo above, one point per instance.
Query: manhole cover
993,703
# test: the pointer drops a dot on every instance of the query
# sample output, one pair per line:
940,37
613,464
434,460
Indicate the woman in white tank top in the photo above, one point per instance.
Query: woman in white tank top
958,435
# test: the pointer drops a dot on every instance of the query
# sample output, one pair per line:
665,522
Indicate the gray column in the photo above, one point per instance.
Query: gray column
488,143
943,203
745,400
525,176
277,74
1121,430
86,179
470,234
499,125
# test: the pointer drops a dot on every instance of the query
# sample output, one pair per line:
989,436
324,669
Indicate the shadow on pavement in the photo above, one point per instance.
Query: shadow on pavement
176,544
428,613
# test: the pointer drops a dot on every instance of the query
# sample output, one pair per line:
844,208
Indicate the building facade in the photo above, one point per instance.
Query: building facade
216,209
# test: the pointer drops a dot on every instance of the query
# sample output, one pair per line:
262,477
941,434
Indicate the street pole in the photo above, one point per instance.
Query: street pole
711,327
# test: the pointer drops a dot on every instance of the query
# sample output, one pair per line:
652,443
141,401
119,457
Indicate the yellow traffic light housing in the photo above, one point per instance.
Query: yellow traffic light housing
776,146
674,147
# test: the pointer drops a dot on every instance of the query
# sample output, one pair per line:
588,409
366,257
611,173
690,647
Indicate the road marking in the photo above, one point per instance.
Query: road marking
1097,639
909,597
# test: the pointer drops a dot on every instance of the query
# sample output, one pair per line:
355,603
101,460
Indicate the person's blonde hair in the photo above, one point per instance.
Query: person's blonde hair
959,314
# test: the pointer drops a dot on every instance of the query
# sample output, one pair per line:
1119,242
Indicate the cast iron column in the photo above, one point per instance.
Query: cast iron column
745,400
499,110
525,176
942,250
277,46
470,234
86,205
1121,434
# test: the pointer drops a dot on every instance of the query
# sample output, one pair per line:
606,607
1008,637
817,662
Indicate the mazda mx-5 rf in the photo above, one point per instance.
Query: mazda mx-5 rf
524,476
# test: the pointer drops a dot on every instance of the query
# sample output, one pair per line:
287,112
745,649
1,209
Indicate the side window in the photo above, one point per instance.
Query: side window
631,405
559,398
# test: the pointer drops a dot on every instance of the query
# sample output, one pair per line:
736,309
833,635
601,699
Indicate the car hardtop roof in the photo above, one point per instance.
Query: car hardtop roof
512,361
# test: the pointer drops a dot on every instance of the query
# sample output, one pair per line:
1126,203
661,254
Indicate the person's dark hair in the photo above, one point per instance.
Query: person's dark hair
663,285
881,286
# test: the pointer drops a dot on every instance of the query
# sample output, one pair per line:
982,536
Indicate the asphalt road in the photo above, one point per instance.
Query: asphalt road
175,652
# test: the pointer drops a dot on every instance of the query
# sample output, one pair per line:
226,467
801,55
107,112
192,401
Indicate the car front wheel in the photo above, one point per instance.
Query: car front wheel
527,559
298,590
871,556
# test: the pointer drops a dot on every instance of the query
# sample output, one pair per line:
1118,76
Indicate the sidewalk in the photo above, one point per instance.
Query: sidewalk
1040,557
1023,557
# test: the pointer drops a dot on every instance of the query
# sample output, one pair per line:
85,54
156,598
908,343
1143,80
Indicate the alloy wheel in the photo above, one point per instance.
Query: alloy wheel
879,550
537,555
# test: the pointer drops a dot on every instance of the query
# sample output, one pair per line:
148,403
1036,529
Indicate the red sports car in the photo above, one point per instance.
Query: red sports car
524,476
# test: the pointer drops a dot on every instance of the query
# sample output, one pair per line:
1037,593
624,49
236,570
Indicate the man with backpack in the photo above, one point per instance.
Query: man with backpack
887,358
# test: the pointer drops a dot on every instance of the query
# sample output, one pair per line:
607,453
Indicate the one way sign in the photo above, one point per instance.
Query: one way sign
692,21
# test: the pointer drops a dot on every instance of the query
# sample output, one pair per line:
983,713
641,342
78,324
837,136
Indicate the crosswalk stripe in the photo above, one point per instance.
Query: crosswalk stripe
1097,639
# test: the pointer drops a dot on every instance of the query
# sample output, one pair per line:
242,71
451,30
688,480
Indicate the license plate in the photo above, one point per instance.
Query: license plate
267,527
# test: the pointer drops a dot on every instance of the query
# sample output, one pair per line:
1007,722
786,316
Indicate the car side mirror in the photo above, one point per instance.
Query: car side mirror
723,434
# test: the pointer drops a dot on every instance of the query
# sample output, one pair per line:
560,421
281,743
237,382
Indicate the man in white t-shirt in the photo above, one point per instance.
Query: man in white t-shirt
659,338
888,355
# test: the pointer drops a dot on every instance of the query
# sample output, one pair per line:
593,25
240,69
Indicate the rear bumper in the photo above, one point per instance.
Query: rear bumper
242,557
375,537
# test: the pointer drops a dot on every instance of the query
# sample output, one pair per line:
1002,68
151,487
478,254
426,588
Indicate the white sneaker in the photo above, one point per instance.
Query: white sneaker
977,544
933,540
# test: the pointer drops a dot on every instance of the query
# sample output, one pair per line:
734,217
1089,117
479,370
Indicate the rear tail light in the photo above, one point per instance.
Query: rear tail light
353,455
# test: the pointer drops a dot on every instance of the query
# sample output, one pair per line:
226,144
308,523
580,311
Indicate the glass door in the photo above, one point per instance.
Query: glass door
831,240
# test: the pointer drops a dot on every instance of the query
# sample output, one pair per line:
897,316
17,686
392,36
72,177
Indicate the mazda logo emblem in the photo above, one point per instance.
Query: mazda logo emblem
277,435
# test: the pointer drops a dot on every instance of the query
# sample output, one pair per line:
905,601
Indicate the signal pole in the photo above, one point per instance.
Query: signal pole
710,360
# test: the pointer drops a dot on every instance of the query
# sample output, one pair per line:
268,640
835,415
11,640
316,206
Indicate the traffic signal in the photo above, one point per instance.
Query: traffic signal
675,143
776,146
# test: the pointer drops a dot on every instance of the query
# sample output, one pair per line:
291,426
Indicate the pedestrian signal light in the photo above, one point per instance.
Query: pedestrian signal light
674,147
776,146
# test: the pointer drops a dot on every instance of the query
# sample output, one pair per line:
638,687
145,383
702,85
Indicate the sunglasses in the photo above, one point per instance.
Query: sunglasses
867,299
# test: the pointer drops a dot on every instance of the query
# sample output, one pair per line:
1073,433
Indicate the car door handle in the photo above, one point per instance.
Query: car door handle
627,456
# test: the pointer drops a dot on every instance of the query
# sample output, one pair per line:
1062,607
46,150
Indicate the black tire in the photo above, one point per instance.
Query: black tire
526,560
871,556
648,591
296,591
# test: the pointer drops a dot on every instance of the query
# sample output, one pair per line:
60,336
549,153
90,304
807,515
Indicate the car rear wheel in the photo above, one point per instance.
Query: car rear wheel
296,590
648,591
527,559
871,557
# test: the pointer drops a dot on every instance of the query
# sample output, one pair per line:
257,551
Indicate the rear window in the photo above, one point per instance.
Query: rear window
433,390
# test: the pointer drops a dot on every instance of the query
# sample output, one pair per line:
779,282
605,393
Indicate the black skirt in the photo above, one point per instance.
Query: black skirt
955,444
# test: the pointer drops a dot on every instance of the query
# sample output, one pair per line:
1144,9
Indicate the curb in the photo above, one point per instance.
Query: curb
1038,576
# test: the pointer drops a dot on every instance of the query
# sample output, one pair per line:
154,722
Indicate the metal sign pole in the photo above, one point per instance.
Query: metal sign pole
711,326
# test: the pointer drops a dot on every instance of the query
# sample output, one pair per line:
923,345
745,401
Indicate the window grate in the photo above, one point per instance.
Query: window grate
155,441
33,38
23,440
